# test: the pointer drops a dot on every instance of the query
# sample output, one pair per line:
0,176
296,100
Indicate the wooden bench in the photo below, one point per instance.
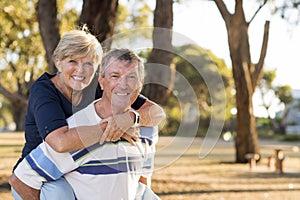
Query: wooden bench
276,161
252,159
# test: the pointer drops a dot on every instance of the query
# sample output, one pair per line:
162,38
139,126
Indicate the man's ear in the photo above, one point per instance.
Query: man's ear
100,80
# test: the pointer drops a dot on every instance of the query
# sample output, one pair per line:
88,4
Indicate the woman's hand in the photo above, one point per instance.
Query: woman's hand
119,125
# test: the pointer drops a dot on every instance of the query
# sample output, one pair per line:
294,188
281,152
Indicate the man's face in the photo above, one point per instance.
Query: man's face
121,83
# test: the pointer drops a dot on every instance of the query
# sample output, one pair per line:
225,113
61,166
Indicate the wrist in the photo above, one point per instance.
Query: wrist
136,118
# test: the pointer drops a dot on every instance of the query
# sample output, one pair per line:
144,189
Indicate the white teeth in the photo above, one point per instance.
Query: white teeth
78,78
121,94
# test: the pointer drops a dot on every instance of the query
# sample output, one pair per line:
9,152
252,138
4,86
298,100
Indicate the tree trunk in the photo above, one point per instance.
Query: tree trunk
160,73
100,17
19,110
49,29
246,76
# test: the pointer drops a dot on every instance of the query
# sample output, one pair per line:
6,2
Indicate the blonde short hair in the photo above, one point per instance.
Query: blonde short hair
78,44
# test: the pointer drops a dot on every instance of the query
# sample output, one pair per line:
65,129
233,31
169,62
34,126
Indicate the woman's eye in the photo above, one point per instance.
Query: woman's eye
88,64
72,61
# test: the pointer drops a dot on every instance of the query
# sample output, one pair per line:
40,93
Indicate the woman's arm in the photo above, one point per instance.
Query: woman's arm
151,114
66,139
26,192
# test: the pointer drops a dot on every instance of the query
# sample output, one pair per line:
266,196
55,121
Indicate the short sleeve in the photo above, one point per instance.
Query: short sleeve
141,99
49,109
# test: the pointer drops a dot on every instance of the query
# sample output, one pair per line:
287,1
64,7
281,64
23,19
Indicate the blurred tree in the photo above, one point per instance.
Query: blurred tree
53,18
100,16
269,92
204,63
272,96
160,74
5,114
20,55
246,74
288,9
49,28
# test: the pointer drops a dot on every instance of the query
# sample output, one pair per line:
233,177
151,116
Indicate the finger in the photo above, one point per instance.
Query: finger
106,132
118,134
128,138
115,133
106,120
134,133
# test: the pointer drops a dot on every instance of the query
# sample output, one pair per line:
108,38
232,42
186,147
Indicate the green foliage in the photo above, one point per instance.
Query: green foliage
136,15
290,137
284,93
204,64
269,77
21,52
67,16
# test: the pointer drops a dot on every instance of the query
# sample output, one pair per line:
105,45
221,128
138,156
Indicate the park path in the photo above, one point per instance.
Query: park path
216,176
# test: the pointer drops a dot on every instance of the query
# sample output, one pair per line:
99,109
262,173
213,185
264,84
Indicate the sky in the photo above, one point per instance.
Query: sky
201,21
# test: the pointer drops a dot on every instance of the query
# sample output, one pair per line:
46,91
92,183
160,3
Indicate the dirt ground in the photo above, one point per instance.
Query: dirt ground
188,168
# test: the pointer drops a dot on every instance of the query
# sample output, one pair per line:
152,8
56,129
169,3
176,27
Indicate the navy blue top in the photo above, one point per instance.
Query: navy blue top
48,109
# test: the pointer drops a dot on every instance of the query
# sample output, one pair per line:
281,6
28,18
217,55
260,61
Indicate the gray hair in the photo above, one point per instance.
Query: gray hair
122,54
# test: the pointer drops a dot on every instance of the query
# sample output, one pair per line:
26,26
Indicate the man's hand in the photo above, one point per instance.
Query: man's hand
26,192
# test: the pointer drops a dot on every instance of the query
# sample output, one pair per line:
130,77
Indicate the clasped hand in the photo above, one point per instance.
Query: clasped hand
120,126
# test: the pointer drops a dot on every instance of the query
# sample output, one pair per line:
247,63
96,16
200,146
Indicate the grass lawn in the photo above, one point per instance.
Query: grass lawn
180,172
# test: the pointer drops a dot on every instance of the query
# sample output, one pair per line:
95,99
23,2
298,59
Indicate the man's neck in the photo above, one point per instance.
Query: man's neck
105,109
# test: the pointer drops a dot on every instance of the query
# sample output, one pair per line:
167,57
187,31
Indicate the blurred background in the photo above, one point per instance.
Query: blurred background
238,60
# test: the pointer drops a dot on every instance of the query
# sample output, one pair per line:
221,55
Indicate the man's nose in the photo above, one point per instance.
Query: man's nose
123,82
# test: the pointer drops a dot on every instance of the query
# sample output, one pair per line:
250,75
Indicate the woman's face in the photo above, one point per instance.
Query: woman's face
76,73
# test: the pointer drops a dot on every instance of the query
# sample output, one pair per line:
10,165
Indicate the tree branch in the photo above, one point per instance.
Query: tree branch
257,75
260,7
223,10
12,96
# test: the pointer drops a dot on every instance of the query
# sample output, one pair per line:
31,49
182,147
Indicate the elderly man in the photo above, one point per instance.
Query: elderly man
108,171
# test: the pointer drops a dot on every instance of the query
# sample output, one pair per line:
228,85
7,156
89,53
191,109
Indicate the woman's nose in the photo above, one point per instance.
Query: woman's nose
80,68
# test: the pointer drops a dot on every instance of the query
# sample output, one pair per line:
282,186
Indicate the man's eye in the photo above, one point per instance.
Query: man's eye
114,76
72,61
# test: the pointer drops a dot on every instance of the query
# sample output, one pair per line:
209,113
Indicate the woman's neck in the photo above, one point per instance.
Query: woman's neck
73,96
